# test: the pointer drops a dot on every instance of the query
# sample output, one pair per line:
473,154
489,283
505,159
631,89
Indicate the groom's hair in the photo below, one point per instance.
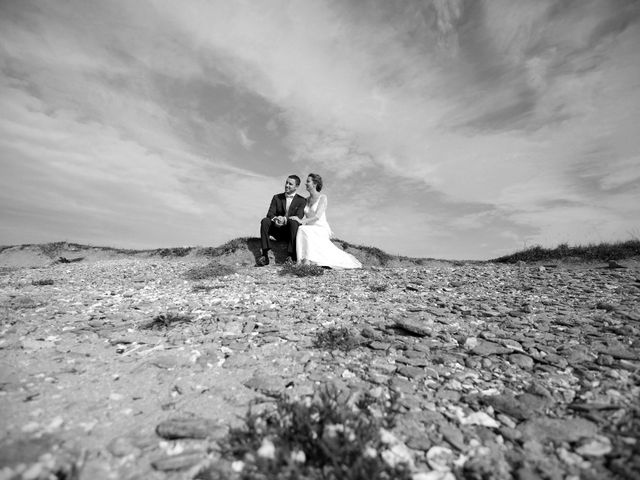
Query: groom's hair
317,180
296,178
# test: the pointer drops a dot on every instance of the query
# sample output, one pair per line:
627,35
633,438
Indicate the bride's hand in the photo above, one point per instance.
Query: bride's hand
297,219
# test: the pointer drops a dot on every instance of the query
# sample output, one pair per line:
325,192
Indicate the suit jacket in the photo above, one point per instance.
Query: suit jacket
279,203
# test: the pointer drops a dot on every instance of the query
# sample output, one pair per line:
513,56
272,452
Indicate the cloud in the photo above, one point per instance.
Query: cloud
377,101
492,119
246,142
87,180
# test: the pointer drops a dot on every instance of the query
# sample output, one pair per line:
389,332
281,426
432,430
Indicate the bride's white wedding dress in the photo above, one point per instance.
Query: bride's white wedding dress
313,239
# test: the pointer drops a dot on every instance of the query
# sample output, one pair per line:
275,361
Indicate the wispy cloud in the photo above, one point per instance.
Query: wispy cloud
510,121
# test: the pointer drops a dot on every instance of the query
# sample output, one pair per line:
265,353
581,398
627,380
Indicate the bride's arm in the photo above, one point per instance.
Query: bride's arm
322,207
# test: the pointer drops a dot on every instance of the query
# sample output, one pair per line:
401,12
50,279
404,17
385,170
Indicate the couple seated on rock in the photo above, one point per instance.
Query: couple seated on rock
302,223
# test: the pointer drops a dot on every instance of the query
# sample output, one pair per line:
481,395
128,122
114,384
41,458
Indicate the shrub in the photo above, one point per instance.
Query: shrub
230,247
335,338
166,320
51,249
319,437
42,282
173,251
601,251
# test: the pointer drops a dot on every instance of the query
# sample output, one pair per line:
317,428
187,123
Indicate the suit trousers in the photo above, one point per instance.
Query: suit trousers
286,232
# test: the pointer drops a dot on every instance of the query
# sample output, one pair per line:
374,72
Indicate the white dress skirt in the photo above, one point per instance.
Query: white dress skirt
313,242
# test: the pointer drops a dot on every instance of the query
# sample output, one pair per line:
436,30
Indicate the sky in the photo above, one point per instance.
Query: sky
454,129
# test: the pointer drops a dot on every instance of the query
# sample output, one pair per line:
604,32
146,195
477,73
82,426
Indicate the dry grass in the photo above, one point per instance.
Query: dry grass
382,257
205,288
172,252
164,321
231,246
591,252
378,287
301,270
211,270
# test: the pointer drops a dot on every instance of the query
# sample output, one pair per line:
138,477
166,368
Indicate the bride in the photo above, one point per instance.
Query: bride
312,241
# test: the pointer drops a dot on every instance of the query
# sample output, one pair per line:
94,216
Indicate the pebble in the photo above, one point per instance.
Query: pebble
486,354
521,360
178,462
595,447
416,325
191,427
440,458
558,429
121,447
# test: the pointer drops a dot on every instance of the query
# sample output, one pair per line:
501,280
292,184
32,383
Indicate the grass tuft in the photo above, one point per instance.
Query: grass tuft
591,252
211,270
335,338
67,260
173,251
165,321
301,270
52,249
320,437
204,288
231,246
382,257
42,282
378,287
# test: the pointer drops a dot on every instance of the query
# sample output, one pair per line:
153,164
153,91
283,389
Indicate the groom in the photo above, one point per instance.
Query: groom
277,224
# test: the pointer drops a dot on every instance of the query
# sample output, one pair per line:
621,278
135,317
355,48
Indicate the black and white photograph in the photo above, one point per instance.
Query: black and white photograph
319,239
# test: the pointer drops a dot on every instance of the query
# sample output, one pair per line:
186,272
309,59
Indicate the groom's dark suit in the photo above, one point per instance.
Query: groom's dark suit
290,229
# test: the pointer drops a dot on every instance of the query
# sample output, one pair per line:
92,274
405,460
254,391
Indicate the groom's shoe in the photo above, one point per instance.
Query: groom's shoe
263,261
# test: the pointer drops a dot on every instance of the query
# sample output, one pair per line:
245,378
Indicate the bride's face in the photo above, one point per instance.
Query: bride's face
310,185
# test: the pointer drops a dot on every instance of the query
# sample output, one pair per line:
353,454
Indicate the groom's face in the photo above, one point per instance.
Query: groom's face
290,186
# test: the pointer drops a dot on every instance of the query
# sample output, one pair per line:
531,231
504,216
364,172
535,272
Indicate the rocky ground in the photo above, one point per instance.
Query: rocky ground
501,371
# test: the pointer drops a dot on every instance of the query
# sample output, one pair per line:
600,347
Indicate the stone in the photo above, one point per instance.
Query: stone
182,461
440,458
597,446
452,435
486,462
480,418
509,405
166,361
413,360
446,394
411,372
378,345
396,452
270,385
558,429
433,475
192,427
371,333
485,348
401,385
415,325
121,447
555,359
522,361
